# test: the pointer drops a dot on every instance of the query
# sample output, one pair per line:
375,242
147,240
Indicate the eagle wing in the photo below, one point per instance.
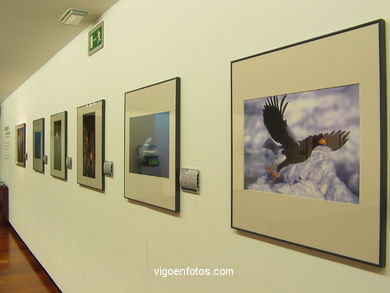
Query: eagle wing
335,139
276,125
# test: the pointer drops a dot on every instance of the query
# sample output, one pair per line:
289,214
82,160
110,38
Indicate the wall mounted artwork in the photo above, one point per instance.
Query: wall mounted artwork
38,145
309,143
152,144
20,145
58,145
90,145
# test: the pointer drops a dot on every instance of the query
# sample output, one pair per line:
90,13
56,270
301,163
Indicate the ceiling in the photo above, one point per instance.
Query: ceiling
31,34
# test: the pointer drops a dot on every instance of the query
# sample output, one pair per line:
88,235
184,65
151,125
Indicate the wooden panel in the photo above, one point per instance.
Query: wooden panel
4,204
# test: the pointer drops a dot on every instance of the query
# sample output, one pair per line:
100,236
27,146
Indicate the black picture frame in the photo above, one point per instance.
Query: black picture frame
58,144
143,187
38,145
356,232
20,145
91,145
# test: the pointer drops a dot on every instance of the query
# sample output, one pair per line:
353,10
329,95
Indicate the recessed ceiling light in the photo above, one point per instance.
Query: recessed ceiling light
73,16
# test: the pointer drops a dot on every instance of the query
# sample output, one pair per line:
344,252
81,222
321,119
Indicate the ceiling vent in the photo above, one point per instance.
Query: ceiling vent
73,16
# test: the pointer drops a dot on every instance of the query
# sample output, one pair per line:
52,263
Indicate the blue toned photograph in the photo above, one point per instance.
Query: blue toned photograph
304,144
38,144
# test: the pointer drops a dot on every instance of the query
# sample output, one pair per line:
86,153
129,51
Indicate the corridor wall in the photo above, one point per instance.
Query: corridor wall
100,242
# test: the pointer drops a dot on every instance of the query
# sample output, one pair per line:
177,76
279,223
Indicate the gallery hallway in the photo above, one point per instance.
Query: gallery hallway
19,270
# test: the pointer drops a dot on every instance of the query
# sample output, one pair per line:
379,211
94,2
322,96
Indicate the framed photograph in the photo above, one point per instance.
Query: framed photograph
90,145
38,145
20,145
309,143
58,144
152,144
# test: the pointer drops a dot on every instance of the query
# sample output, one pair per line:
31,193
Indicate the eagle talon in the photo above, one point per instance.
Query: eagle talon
275,176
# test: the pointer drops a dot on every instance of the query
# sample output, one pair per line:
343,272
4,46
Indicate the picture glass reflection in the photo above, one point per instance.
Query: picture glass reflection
149,145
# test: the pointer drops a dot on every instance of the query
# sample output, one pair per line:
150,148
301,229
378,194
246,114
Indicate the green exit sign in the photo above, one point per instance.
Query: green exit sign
96,38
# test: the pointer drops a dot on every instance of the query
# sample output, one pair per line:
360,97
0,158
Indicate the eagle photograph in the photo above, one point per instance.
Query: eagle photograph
304,144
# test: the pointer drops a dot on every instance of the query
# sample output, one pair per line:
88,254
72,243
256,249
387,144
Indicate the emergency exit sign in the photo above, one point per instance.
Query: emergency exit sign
96,38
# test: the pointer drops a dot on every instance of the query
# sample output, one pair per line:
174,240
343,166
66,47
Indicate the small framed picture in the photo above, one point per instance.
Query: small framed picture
20,145
152,144
58,145
309,143
38,145
90,145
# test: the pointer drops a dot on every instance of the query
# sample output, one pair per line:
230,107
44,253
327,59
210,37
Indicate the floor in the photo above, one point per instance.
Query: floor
19,270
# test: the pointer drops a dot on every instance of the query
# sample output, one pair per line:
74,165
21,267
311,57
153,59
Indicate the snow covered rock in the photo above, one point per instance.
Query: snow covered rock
314,178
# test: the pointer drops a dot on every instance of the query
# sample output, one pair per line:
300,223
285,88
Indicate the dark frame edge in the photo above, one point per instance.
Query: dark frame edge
383,141
308,247
124,145
43,144
150,205
25,146
66,143
310,40
177,144
150,85
103,144
231,144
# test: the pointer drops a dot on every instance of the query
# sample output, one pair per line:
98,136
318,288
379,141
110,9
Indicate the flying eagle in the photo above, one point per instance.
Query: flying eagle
295,151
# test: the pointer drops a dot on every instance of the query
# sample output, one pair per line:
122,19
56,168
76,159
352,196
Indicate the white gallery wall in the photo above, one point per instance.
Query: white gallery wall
100,242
